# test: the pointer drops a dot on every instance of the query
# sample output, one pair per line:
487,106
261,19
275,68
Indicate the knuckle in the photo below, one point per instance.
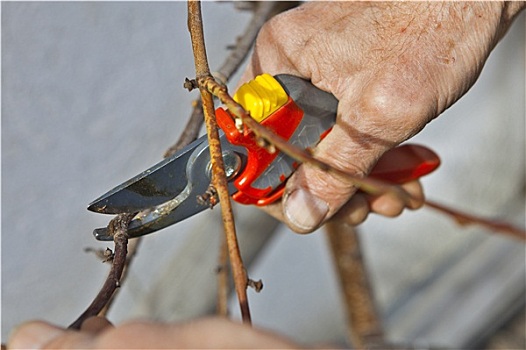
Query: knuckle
390,100
392,109
416,192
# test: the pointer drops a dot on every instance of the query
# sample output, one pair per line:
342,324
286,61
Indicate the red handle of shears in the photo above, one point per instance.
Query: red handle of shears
405,163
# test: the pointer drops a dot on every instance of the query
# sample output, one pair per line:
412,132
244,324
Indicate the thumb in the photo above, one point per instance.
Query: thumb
312,195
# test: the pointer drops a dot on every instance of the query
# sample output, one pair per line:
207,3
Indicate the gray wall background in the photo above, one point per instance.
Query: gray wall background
92,94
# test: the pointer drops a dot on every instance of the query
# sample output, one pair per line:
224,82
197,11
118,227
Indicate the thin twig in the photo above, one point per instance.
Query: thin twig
256,285
132,248
364,321
118,228
468,219
262,11
195,26
104,255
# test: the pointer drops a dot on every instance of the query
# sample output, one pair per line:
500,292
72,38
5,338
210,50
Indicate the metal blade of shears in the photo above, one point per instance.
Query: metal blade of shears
154,186
167,192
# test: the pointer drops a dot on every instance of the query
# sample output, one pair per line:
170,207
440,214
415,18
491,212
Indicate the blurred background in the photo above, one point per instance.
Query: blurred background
92,95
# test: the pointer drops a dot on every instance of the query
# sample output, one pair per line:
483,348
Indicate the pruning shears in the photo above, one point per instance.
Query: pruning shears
293,108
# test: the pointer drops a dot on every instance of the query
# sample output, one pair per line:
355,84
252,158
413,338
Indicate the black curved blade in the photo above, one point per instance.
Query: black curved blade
154,186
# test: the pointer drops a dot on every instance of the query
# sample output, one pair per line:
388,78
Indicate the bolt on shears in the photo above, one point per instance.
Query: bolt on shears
293,108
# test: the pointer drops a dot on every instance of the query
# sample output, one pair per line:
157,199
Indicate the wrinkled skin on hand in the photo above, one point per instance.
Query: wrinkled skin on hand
393,67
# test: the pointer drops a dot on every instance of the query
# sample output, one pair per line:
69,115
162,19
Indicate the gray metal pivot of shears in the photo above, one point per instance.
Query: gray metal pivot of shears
291,107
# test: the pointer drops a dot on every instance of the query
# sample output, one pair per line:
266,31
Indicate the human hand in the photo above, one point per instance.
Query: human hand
98,333
393,67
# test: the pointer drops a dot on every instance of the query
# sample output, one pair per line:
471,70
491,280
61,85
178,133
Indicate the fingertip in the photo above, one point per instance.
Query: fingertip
95,324
33,335
416,192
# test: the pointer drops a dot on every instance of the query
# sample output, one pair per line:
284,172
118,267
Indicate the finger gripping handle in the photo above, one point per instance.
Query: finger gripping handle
302,114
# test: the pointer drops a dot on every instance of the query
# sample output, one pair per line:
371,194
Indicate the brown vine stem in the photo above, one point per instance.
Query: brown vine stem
195,26
262,11
118,228
364,321
132,248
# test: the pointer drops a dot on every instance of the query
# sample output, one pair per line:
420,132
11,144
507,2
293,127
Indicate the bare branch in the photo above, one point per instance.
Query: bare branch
467,219
118,228
132,248
195,26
